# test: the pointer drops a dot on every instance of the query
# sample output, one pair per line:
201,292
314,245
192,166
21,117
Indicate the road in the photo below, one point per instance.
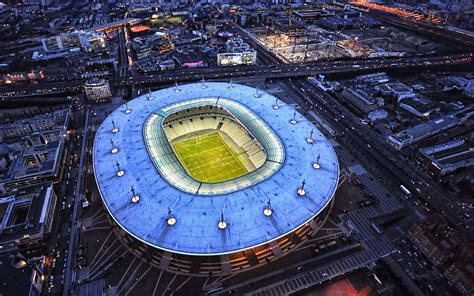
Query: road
363,139
122,57
66,190
420,26
390,162
75,226
258,71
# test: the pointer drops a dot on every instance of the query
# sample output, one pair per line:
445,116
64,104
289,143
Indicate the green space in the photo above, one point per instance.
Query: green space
208,158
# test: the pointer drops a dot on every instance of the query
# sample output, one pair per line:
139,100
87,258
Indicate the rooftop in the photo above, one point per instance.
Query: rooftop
25,214
195,231
38,161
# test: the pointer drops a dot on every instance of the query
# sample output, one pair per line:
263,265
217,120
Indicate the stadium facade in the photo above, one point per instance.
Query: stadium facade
213,178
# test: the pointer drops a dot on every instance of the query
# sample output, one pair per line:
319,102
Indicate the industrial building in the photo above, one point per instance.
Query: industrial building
360,99
419,107
424,130
447,157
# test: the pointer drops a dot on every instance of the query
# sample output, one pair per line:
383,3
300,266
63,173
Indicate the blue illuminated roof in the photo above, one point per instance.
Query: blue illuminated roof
196,231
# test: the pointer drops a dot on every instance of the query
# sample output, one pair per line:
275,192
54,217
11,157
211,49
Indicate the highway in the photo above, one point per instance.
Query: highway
359,137
420,26
261,71
356,136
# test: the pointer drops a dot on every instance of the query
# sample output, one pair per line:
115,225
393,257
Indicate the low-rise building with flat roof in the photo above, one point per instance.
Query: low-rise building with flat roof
98,90
237,53
33,165
190,59
373,78
447,157
424,130
377,115
419,107
469,90
50,122
396,89
26,216
363,101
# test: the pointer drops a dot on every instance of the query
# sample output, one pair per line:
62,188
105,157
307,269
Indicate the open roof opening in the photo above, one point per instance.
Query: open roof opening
212,145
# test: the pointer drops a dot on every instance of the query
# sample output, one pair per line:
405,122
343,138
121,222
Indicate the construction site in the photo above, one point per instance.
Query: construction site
297,43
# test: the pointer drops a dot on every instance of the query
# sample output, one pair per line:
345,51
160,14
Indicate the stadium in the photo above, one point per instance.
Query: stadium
213,178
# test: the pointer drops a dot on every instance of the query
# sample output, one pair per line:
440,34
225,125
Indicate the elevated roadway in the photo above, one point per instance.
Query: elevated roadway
258,71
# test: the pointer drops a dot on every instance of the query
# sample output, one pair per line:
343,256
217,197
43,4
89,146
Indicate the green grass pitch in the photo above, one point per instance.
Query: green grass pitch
208,158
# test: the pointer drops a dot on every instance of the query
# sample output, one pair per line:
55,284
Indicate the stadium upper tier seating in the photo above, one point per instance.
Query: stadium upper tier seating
208,118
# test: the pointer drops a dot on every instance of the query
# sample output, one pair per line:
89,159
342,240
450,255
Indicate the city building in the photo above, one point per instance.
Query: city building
461,276
336,23
26,216
88,41
428,244
237,53
398,90
167,64
33,165
377,115
182,217
360,99
419,107
373,78
446,249
97,90
424,130
457,82
326,85
102,64
112,26
147,65
447,157
22,275
56,121
91,41
469,91
190,59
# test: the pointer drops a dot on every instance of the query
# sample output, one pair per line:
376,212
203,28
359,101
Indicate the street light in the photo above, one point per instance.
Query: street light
171,220
231,86
316,164
114,149
176,89
114,128
276,107
267,210
257,93
127,110
135,197
120,172
222,223
150,97
310,139
293,120
301,191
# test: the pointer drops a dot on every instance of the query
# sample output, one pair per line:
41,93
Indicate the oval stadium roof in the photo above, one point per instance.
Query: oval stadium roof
195,231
